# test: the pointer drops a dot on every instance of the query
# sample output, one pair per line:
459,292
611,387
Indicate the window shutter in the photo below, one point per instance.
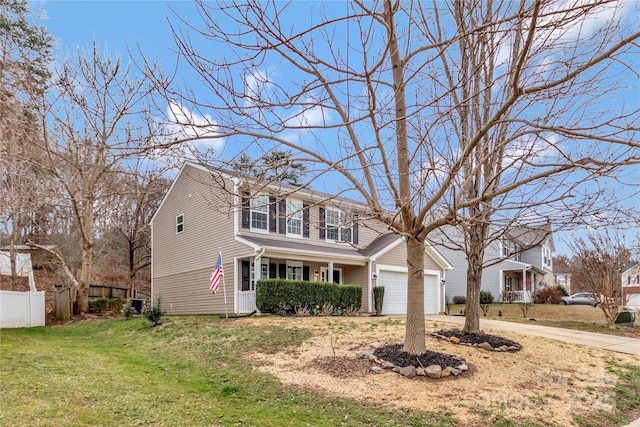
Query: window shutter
305,220
272,214
272,270
354,230
283,216
322,224
283,271
305,273
246,213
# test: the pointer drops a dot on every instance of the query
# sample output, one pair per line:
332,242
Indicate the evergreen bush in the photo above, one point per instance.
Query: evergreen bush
281,295
378,296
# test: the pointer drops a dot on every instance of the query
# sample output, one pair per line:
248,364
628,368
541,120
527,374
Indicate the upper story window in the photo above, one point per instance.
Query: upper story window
338,226
517,256
260,213
294,218
506,247
179,223
546,257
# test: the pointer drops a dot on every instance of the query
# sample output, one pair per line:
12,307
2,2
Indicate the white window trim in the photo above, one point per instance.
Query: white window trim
180,223
251,211
298,211
339,227
297,264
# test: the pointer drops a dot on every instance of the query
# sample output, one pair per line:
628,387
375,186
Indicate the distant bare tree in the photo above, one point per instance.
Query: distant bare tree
597,268
25,51
96,117
412,139
125,218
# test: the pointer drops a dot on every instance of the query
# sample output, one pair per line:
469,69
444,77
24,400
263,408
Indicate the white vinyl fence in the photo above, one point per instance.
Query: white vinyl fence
21,309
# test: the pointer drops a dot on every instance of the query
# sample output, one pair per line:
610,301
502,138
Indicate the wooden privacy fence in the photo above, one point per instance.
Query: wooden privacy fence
62,303
97,291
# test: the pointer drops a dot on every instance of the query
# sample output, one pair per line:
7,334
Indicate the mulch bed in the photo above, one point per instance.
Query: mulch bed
494,340
393,353
343,367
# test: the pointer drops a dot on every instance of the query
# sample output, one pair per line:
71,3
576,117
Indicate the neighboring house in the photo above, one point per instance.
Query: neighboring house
562,278
516,265
631,284
273,231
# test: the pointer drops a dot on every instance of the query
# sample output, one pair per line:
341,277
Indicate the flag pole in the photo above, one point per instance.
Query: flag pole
224,290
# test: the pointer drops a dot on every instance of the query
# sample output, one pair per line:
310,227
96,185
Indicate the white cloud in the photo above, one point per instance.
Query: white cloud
257,87
186,124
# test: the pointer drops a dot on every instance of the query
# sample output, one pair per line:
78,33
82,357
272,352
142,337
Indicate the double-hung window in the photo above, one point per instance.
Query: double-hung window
294,270
260,213
338,226
179,223
294,218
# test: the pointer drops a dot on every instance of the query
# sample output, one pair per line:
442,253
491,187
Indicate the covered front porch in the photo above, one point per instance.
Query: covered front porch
343,266
518,284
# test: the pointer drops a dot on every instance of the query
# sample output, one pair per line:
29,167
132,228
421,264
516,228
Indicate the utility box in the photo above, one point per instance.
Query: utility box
626,318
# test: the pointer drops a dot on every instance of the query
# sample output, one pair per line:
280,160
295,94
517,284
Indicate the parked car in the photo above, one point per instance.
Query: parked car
581,298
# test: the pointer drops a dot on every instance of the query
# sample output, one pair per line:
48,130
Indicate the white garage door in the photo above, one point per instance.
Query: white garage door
395,293
632,300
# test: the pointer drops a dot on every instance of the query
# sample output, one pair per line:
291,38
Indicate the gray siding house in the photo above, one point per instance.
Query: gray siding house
515,266
273,231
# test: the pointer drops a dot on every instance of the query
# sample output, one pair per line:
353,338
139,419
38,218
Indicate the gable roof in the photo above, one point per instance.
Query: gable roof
628,266
532,236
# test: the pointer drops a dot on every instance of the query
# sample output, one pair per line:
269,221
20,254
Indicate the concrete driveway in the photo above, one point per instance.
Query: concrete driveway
589,339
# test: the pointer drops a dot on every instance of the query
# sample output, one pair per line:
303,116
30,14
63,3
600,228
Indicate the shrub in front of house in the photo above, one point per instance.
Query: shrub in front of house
104,304
548,296
486,297
277,295
459,299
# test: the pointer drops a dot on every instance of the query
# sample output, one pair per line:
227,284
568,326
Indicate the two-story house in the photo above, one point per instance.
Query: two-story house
515,265
631,284
273,230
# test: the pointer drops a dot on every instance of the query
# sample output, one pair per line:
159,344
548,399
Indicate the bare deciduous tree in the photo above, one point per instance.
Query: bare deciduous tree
421,144
25,50
97,116
597,266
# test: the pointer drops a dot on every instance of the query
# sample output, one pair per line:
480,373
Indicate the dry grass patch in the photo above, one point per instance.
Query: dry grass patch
546,381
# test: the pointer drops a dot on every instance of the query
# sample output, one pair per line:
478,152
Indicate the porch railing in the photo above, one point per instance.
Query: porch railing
517,296
246,301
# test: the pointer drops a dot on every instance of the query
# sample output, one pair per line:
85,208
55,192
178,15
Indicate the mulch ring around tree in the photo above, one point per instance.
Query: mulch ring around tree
484,341
393,353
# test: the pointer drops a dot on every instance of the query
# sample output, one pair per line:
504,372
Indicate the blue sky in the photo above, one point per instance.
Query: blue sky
121,25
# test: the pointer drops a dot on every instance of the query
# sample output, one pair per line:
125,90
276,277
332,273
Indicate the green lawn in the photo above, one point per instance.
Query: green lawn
186,372
190,371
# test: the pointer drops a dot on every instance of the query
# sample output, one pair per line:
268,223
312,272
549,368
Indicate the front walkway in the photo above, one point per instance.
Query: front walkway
589,339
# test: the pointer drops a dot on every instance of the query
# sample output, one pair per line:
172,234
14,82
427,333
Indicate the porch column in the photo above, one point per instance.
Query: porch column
330,272
257,268
524,286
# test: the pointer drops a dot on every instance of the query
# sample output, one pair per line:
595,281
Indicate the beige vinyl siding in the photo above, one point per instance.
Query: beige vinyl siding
398,256
190,255
205,229
189,293
358,276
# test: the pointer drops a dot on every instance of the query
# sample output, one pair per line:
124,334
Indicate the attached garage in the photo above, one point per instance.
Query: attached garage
395,292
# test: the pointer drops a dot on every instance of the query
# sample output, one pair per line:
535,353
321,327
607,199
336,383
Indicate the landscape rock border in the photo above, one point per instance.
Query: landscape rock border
482,341
440,366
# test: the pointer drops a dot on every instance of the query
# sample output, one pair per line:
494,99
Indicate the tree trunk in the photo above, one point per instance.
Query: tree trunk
414,338
85,278
475,257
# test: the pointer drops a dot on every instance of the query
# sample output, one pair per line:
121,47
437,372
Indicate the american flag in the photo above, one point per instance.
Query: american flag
216,274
